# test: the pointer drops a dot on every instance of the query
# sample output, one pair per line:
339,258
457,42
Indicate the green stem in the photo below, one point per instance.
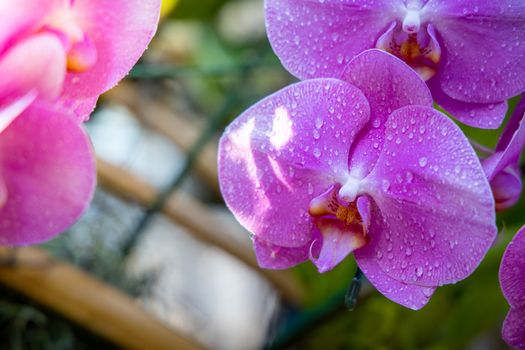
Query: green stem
352,293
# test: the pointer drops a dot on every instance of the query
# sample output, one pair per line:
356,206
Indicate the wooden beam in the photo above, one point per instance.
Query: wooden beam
158,117
198,219
102,309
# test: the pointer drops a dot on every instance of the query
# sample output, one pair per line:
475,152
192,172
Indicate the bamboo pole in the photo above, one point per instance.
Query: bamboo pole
90,303
160,118
199,220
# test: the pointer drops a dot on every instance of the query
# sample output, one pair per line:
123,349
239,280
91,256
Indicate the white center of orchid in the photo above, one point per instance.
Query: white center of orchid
351,189
412,21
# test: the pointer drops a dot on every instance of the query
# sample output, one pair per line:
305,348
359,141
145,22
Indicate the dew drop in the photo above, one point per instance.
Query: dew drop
409,176
310,189
419,271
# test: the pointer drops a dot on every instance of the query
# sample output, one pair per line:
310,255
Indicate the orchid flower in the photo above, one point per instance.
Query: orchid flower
512,280
469,51
56,58
327,167
502,167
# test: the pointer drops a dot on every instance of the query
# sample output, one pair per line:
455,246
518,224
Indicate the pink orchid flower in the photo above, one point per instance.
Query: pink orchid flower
502,166
56,58
327,167
512,280
470,51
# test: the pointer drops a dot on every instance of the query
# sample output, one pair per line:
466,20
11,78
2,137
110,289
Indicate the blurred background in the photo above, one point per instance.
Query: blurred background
159,237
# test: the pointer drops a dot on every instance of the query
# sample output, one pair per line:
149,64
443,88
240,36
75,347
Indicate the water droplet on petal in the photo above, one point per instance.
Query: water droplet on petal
419,271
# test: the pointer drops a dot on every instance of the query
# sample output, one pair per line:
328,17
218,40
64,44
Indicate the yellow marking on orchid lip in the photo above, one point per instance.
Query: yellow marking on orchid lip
318,207
82,56
325,204
347,214
434,56
410,50
77,65
425,72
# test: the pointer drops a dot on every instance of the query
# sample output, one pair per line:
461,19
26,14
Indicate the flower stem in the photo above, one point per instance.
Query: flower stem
354,288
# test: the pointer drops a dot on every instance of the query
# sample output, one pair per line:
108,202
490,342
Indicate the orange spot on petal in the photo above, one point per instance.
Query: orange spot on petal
82,56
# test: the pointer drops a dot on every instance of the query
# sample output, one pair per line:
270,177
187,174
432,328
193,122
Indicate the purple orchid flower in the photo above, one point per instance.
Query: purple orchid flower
512,280
502,166
470,51
327,167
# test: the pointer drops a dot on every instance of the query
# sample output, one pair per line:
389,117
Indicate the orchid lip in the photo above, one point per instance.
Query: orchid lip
413,43
339,223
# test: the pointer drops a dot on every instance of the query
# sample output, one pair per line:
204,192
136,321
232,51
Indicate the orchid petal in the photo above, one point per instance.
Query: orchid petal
512,271
13,110
483,45
512,280
478,115
317,39
506,187
408,295
285,150
514,328
270,256
429,186
21,19
121,31
507,157
82,107
502,167
48,168
388,84
339,240
3,193
513,125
